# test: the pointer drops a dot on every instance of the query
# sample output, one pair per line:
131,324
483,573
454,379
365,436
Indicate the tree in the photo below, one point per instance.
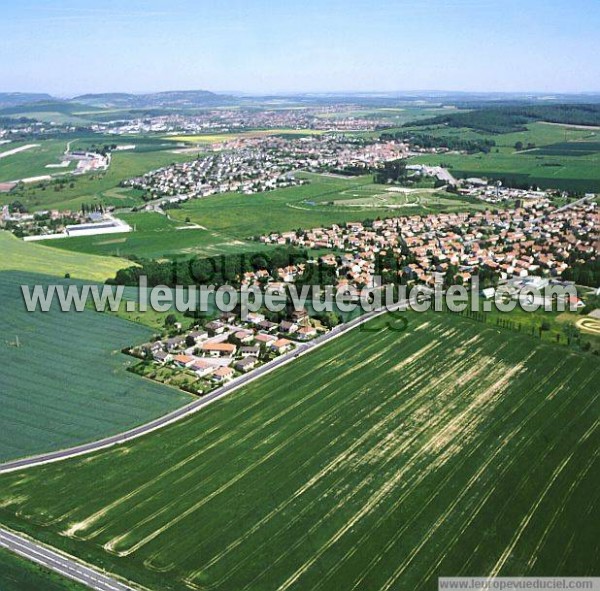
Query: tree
518,146
170,320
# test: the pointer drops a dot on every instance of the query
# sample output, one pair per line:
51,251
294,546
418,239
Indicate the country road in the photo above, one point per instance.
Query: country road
195,406
60,563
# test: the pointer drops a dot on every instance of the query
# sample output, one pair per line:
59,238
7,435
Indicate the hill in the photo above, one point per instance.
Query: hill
13,99
167,99
515,118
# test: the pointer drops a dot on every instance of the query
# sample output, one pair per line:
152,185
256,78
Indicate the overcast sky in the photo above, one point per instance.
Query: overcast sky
259,46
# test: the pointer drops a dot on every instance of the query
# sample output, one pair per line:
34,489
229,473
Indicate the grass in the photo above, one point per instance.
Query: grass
305,206
94,188
380,461
20,574
157,236
564,158
213,138
67,381
32,162
36,257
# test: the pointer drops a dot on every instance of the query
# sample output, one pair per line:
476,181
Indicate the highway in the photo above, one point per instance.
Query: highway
60,563
195,406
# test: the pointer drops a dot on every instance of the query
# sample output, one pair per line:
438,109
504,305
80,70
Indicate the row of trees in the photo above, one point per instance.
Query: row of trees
451,143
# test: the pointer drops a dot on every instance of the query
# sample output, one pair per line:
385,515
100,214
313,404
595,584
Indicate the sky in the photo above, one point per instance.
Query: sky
69,47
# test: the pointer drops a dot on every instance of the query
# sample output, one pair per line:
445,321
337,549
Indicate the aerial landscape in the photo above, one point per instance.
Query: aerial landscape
277,317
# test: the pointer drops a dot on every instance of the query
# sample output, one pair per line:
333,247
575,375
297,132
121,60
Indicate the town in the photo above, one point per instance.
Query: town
260,164
534,239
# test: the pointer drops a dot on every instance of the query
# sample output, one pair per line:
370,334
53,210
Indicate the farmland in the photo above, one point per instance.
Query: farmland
564,157
18,574
157,236
324,201
91,188
379,461
63,378
212,138
32,162
37,258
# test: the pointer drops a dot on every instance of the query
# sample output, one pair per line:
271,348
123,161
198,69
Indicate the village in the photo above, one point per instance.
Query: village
253,165
210,354
535,239
321,118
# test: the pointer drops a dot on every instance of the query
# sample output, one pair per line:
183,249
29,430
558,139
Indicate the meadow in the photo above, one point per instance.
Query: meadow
324,201
564,157
63,378
157,236
32,162
380,461
39,257
213,138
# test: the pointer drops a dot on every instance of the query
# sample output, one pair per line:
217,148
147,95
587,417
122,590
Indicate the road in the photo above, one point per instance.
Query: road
60,563
195,406
564,207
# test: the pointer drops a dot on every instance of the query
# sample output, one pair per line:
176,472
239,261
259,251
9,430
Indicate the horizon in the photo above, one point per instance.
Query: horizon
541,95
462,46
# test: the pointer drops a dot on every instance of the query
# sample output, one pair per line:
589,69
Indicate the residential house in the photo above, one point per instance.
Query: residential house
161,356
202,368
288,327
215,327
280,346
306,332
222,374
252,350
219,349
184,360
246,364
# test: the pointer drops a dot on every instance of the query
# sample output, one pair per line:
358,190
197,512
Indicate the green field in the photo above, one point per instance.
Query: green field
564,157
38,257
380,461
213,138
66,382
326,200
97,187
157,236
32,162
19,574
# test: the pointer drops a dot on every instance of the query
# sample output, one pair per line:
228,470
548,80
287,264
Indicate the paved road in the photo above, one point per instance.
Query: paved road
193,407
563,207
60,563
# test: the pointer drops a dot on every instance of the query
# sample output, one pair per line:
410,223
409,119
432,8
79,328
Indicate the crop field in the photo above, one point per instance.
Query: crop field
305,206
379,461
63,379
214,138
37,257
32,162
157,236
564,157
19,574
